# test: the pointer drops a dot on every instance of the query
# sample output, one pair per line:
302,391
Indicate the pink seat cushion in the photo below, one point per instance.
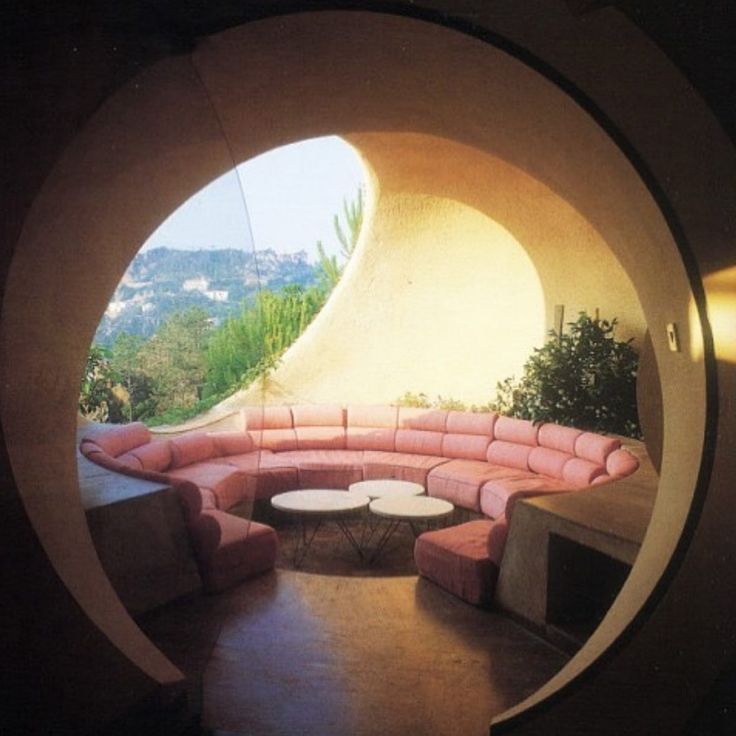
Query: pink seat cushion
595,447
497,539
232,443
519,431
496,495
327,468
456,558
459,481
557,437
372,428
191,448
119,438
230,549
401,466
228,485
268,473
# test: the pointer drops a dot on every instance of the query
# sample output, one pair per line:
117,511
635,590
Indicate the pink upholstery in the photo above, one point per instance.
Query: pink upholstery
268,473
595,447
497,540
116,439
230,550
318,415
329,469
465,423
319,438
456,558
548,462
195,500
430,420
459,481
227,484
130,460
620,463
465,446
519,431
371,428
497,495
419,442
191,448
156,456
401,466
232,443
509,454
268,417
278,440
580,473
557,437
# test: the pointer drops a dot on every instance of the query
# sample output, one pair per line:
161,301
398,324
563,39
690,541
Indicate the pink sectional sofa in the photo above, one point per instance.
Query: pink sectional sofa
479,461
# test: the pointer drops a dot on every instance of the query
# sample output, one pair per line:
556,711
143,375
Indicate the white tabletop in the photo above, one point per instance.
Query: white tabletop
318,501
411,508
386,488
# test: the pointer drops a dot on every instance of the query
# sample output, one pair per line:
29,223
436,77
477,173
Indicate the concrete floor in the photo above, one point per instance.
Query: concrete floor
373,651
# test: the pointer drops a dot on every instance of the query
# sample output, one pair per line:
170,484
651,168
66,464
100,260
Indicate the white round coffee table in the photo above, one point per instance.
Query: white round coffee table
387,488
412,510
318,505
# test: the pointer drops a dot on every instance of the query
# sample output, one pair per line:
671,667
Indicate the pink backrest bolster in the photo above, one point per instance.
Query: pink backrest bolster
156,455
232,443
277,440
557,437
268,417
119,438
320,438
508,454
595,447
377,416
465,446
318,415
621,463
465,422
548,462
419,442
191,448
521,431
371,438
581,473
431,420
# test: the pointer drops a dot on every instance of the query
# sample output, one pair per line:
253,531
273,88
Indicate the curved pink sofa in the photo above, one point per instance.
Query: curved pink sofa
482,462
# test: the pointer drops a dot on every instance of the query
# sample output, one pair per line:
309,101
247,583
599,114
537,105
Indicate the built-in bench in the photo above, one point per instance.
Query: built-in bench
481,462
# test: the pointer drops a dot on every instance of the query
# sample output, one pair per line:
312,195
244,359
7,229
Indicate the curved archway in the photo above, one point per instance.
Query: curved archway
635,230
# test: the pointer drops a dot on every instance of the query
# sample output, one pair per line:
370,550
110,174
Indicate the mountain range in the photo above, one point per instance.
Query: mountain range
161,281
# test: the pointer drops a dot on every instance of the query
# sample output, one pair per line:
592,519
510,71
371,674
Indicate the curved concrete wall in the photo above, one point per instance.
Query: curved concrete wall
428,80
461,262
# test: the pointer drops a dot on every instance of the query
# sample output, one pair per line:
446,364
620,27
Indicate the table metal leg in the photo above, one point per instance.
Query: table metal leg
304,541
388,532
347,532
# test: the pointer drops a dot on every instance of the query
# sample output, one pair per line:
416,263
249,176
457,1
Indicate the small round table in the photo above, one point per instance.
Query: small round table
408,509
388,488
320,505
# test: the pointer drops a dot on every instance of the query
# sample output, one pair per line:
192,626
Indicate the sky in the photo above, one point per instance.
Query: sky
291,194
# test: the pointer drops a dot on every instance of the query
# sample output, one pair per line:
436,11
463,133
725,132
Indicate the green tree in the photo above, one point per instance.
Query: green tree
124,358
584,378
97,397
330,268
174,360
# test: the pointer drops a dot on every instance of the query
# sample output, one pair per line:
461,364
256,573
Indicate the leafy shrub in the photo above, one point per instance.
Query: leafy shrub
585,378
